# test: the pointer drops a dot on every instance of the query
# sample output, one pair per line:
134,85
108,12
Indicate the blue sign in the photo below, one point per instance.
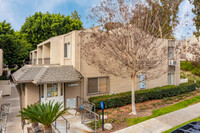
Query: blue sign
81,107
102,105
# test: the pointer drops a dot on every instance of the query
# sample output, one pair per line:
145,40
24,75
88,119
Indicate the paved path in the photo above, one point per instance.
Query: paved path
164,122
13,122
75,124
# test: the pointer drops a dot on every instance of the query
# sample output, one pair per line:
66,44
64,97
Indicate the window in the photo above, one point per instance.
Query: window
171,78
142,82
52,90
67,50
98,85
170,52
171,45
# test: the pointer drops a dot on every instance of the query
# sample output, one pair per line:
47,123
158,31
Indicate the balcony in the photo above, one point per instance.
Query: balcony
39,61
46,61
34,62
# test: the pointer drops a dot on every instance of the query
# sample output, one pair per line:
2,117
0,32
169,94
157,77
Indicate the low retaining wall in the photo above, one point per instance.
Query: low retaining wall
5,86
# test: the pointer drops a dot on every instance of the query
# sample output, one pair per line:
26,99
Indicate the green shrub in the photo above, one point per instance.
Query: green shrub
182,75
121,99
196,71
187,66
3,77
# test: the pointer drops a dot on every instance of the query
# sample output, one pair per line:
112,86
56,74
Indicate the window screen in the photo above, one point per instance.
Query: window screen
92,85
98,85
170,52
103,84
67,50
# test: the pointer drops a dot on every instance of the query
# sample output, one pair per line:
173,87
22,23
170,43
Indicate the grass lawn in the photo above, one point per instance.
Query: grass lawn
174,128
165,110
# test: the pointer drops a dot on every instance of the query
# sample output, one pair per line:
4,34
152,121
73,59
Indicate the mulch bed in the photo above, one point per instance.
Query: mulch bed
118,116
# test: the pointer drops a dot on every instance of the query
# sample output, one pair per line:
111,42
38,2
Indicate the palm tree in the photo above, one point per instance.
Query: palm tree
45,114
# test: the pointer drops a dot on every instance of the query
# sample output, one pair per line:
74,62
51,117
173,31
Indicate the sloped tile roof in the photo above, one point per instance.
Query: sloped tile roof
46,74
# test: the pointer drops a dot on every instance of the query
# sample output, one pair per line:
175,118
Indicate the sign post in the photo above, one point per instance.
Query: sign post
102,107
81,107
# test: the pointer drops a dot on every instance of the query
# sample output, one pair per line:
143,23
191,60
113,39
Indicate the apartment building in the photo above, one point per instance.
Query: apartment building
186,43
58,72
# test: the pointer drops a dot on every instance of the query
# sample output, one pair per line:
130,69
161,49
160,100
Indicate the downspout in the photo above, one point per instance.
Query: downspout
64,96
40,94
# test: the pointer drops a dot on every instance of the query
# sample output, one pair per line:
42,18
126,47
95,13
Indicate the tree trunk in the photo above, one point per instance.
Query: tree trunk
48,129
160,29
35,127
133,95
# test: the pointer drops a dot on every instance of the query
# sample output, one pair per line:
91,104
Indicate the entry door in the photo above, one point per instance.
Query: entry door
72,90
52,92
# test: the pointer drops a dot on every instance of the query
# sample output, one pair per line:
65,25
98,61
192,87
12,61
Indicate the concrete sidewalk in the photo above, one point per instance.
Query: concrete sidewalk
75,123
13,123
164,122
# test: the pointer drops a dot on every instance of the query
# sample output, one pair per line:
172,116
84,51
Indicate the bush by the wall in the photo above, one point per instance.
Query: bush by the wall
196,71
3,77
122,99
187,66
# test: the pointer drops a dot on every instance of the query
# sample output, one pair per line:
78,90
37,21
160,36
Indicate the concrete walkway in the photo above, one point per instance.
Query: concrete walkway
75,124
13,122
164,122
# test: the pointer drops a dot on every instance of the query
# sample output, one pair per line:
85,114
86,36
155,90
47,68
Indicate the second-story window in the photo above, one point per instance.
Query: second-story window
67,50
170,52
171,45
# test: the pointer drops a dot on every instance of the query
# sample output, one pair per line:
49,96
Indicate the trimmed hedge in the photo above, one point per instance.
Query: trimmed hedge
121,99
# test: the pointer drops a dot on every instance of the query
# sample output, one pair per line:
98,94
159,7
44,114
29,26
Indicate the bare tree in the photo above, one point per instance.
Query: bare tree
191,49
126,43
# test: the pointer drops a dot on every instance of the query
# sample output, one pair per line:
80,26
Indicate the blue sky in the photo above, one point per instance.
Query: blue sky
16,11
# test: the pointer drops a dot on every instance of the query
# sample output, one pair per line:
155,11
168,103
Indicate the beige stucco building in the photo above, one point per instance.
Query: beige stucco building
186,44
58,72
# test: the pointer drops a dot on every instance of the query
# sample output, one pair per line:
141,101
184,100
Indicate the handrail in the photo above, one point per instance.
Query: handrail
92,112
85,100
78,97
96,116
66,122
67,127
